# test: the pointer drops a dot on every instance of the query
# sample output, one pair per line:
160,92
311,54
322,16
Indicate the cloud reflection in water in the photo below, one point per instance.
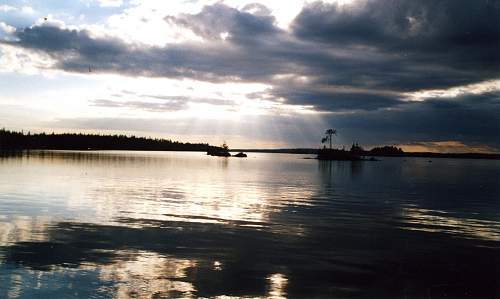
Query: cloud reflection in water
132,224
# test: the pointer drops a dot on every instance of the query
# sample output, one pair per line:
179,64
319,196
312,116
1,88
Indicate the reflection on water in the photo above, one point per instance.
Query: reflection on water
19,228
161,225
439,221
277,284
146,274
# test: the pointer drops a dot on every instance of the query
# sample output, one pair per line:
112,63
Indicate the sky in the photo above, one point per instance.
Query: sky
423,75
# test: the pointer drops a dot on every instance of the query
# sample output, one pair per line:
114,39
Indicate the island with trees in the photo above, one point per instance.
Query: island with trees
358,153
330,153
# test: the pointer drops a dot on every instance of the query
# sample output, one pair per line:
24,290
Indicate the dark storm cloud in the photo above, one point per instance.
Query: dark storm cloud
375,49
408,25
451,41
76,50
473,119
337,101
401,45
255,50
52,39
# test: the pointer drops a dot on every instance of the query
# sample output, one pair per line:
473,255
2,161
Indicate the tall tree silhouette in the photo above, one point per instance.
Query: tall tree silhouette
329,136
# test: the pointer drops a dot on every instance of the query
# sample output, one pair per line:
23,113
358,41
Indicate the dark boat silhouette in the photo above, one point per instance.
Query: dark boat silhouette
240,155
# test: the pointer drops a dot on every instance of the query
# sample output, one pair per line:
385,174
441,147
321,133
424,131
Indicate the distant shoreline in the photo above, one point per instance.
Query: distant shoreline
18,141
476,156
311,151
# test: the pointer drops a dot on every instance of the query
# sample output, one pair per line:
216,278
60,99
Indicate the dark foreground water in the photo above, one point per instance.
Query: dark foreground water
161,225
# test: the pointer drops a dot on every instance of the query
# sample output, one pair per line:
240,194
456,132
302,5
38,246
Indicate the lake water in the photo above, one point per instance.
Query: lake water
167,224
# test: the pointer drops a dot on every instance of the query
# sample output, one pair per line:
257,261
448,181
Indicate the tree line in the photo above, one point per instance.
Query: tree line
12,140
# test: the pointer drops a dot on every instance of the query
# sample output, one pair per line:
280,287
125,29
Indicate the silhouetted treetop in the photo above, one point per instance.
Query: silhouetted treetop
386,150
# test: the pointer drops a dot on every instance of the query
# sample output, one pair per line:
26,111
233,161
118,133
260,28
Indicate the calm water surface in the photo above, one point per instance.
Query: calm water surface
161,225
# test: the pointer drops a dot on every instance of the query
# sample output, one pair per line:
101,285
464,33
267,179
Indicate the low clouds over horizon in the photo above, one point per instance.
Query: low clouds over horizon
357,66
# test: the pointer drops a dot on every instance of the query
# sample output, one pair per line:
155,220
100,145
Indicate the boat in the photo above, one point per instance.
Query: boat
240,155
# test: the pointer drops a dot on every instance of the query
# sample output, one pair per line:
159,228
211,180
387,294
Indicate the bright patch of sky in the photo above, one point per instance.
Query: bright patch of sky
456,91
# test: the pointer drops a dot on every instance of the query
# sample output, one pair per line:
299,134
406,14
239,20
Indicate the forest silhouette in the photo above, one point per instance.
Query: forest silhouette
11,140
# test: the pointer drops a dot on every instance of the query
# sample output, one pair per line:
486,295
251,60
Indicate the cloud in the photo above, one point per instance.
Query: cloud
471,119
7,8
361,62
241,26
211,101
110,3
25,61
27,10
17,15
358,46
428,43
162,103
7,28
24,9
61,41
403,25
171,105
336,100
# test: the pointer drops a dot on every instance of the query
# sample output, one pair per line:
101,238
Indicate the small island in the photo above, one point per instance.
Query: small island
338,154
223,151
356,153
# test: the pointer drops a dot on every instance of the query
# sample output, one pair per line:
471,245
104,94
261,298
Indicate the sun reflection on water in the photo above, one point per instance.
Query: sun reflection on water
277,285
189,188
146,275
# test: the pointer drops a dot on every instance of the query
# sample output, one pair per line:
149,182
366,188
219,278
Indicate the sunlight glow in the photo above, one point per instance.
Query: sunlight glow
449,146
144,21
453,92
